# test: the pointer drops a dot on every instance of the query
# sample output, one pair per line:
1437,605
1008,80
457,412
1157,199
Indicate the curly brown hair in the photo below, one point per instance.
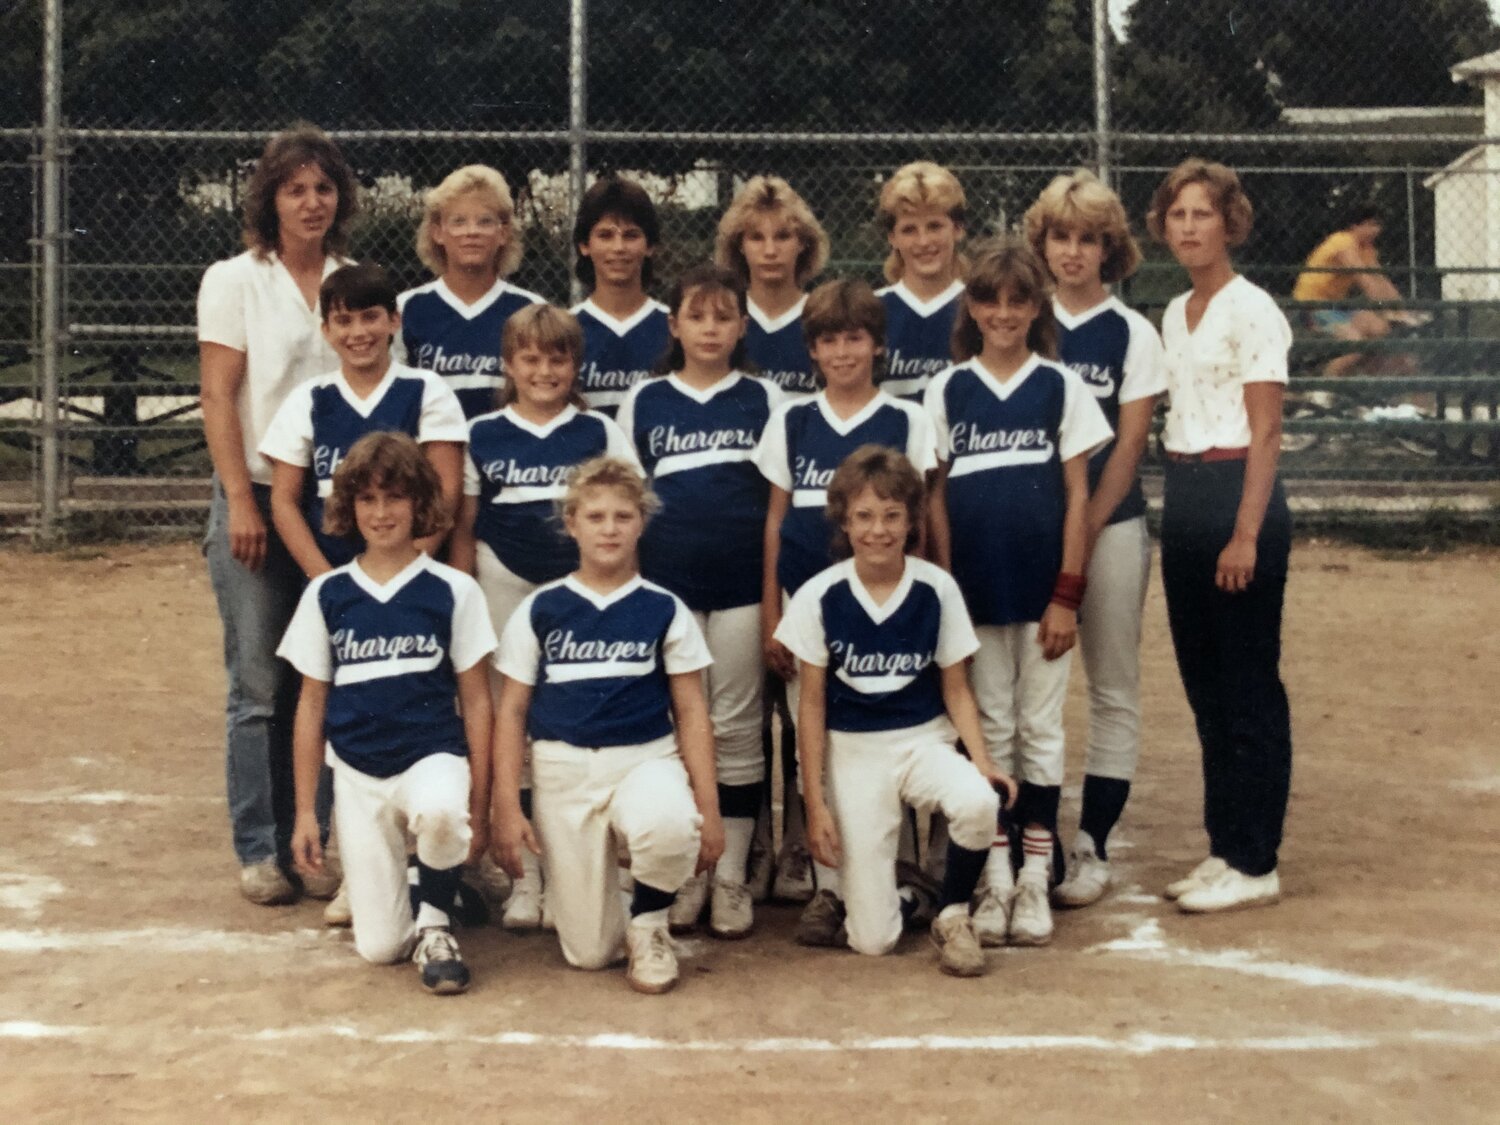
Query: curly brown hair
892,477
288,151
395,462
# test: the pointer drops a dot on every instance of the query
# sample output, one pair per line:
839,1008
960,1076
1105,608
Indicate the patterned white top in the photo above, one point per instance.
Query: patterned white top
1242,338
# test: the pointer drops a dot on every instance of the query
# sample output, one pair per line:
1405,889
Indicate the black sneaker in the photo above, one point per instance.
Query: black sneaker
443,970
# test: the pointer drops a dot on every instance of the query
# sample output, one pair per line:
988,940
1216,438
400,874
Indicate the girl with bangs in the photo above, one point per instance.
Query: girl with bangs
515,472
1014,432
695,427
1078,227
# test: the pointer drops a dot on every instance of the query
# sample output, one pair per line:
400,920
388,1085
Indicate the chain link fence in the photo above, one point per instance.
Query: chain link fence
162,107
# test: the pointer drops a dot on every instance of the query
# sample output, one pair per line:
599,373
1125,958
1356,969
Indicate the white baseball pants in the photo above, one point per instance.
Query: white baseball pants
586,801
736,685
1109,636
1020,697
504,590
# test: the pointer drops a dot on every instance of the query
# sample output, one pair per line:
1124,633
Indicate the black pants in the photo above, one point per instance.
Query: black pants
1228,653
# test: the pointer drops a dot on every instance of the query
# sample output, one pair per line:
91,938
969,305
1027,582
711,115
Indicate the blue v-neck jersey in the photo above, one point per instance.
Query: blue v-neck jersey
518,472
805,443
319,422
618,354
1004,445
391,654
884,660
1118,355
707,543
457,341
599,664
778,349
918,338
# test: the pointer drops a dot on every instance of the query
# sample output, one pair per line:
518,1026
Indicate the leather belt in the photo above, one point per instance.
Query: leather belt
1209,456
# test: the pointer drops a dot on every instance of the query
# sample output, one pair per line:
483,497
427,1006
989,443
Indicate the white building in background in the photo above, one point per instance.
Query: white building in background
1467,198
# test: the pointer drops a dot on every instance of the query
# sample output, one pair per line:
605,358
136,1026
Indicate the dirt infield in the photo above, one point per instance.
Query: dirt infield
135,984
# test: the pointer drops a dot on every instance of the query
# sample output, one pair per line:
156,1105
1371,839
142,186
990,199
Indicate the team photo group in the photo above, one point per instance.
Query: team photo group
519,602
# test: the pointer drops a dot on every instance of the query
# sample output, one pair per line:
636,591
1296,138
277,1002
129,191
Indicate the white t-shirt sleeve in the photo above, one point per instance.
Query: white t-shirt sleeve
442,417
685,649
473,635
289,437
775,396
936,409
1084,427
1145,361
471,470
519,655
1262,336
221,307
616,445
921,441
801,628
306,645
771,452
957,640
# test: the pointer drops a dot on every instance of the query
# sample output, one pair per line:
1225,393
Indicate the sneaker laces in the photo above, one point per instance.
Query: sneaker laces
796,863
437,945
660,948
736,895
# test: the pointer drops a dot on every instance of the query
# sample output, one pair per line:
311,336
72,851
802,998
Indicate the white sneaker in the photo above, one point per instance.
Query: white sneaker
337,912
653,958
688,906
1030,916
1231,890
959,951
992,915
436,956
1087,878
730,914
491,881
1195,878
523,910
266,884
794,875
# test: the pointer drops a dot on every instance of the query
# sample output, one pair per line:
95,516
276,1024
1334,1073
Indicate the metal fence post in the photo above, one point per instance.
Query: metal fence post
49,525
1102,127
578,61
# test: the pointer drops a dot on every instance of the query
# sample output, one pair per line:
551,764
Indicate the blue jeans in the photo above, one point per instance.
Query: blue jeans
255,608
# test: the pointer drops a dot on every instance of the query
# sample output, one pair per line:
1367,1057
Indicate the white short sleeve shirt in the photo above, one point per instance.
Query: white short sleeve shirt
1242,338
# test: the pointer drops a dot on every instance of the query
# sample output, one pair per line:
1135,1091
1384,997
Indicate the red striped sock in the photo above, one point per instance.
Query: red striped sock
1036,846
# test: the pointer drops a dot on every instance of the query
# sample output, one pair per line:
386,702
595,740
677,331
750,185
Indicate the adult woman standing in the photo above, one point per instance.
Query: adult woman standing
1226,533
258,337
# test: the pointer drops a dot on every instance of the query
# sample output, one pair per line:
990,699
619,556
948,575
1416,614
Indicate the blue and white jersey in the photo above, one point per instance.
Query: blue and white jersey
1119,356
392,653
1005,444
707,543
918,337
803,445
319,422
460,342
598,663
618,354
518,471
884,661
777,347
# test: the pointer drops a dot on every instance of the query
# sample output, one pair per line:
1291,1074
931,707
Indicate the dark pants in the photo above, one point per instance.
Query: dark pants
1228,653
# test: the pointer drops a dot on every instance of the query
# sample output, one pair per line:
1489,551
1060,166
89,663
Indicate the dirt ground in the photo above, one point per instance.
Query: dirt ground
135,984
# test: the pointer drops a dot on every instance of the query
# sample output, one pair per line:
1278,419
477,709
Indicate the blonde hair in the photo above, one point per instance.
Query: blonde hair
1223,187
608,472
915,186
1079,202
478,179
393,461
550,329
771,195
1006,265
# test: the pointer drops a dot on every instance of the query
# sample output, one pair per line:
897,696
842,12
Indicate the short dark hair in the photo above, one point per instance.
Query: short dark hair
892,477
363,285
845,305
702,280
294,148
613,195
388,460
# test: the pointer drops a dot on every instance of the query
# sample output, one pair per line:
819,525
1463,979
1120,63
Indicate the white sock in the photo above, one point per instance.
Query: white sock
651,919
998,874
429,915
826,878
531,869
952,909
739,832
1036,847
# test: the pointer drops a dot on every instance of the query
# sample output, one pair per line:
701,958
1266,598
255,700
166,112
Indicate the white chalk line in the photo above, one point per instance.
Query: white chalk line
174,940
1147,943
1140,1043
106,797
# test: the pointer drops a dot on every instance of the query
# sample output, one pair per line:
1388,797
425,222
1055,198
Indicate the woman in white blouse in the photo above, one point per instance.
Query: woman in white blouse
258,337
1226,533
